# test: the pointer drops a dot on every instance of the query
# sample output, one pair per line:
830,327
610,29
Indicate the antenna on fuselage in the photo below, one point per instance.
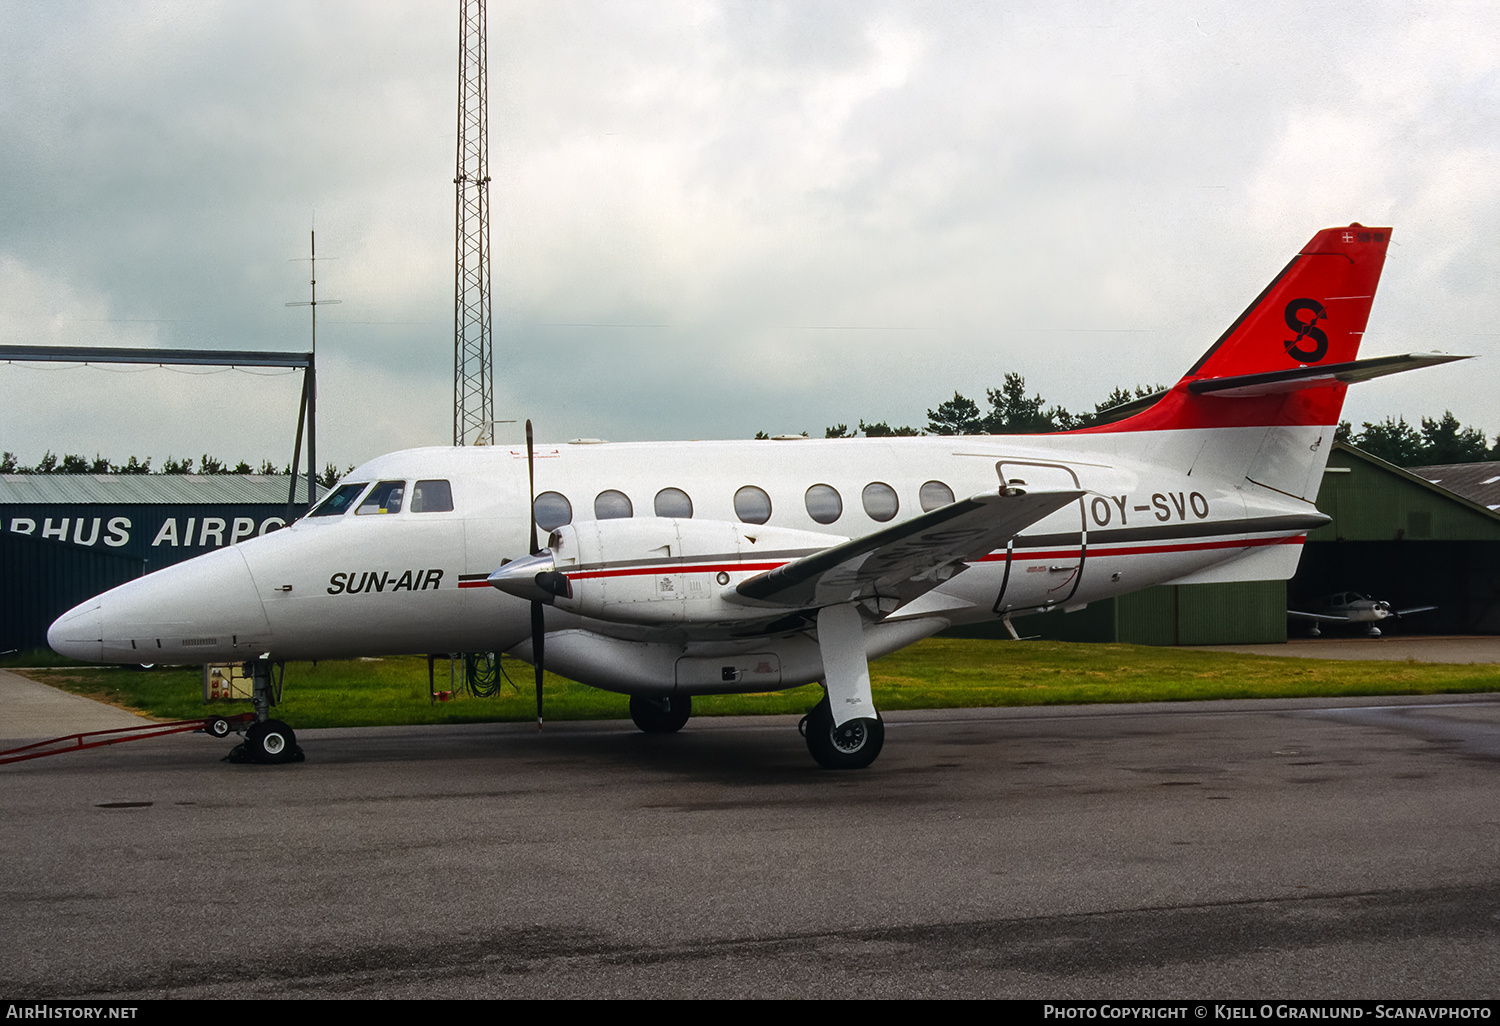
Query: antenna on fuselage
538,622
309,411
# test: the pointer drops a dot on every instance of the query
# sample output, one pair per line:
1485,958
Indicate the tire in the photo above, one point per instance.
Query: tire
854,745
661,715
216,726
270,741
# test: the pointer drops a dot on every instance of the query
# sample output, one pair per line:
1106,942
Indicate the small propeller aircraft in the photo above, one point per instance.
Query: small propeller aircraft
690,568
1352,607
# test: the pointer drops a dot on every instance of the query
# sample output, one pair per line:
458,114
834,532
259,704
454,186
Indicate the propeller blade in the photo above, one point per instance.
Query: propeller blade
538,638
531,486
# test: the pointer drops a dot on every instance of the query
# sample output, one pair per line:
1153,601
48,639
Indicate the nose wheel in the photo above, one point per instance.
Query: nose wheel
271,741
267,741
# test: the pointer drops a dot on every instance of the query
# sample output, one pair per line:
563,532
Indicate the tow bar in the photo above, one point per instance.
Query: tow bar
214,726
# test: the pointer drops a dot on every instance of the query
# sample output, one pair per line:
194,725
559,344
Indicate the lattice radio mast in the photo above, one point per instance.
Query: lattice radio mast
473,378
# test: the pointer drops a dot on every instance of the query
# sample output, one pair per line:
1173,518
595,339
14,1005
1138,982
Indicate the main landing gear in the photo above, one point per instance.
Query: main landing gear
660,715
850,739
853,744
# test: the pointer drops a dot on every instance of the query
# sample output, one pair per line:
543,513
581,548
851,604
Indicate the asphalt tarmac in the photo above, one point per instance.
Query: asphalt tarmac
1299,849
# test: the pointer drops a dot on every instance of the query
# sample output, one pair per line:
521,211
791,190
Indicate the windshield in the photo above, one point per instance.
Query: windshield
339,500
383,498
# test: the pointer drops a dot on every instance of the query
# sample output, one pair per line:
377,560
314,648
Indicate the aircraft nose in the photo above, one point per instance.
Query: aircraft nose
203,610
79,633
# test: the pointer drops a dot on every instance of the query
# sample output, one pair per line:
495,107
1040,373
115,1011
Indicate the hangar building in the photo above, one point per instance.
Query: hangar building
67,537
1394,536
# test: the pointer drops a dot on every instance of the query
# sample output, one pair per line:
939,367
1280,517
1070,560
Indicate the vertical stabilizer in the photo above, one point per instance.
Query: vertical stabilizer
1312,314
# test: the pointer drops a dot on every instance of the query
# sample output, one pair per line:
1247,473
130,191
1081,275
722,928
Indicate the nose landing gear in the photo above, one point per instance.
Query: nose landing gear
266,741
271,741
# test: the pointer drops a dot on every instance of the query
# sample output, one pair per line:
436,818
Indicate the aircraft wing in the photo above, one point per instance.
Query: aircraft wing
904,560
1317,617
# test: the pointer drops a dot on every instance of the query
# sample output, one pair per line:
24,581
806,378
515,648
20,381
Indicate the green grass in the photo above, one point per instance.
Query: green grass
35,657
939,673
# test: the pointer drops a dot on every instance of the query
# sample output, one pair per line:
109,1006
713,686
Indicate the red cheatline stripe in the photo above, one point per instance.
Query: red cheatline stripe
1094,553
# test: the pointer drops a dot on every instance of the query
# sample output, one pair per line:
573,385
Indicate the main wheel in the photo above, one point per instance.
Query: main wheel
852,745
660,715
270,741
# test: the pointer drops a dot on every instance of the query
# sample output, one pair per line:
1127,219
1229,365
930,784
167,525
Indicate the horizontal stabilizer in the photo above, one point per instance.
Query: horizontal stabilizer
1281,381
1129,409
905,560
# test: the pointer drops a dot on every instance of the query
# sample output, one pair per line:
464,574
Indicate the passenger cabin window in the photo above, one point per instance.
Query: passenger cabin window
338,501
552,510
934,495
880,501
674,502
431,497
383,498
824,504
752,505
612,505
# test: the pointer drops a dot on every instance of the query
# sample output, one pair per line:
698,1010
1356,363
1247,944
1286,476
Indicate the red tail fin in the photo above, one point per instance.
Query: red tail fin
1312,314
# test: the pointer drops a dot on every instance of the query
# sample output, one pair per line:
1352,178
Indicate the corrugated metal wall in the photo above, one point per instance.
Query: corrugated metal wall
1251,613
1398,538
58,554
42,579
1247,613
1370,500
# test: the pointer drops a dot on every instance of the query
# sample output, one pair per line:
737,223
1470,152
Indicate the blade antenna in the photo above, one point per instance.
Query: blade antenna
538,624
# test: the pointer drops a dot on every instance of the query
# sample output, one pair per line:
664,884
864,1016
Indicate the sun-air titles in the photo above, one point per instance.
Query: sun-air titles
360,582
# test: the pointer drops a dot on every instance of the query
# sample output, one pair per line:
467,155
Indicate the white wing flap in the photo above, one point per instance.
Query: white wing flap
905,560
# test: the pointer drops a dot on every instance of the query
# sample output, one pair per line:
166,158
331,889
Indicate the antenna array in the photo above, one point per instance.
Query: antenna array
473,379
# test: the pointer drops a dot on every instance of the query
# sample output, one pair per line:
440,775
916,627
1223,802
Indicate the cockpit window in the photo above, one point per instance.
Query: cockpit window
383,498
339,500
431,497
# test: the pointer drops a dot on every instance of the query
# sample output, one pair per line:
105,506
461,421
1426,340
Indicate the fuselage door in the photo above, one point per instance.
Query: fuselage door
1063,536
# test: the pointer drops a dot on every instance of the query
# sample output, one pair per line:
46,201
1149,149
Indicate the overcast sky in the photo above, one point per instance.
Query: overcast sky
714,218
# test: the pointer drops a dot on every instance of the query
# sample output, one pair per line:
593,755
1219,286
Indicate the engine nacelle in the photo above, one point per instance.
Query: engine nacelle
651,570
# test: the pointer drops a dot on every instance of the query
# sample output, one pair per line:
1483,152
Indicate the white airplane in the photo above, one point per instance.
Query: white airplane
692,568
1352,607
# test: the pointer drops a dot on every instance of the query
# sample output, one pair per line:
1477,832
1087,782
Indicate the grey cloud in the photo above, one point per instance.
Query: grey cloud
758,196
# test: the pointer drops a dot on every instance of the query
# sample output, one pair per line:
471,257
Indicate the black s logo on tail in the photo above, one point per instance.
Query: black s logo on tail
1306,329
